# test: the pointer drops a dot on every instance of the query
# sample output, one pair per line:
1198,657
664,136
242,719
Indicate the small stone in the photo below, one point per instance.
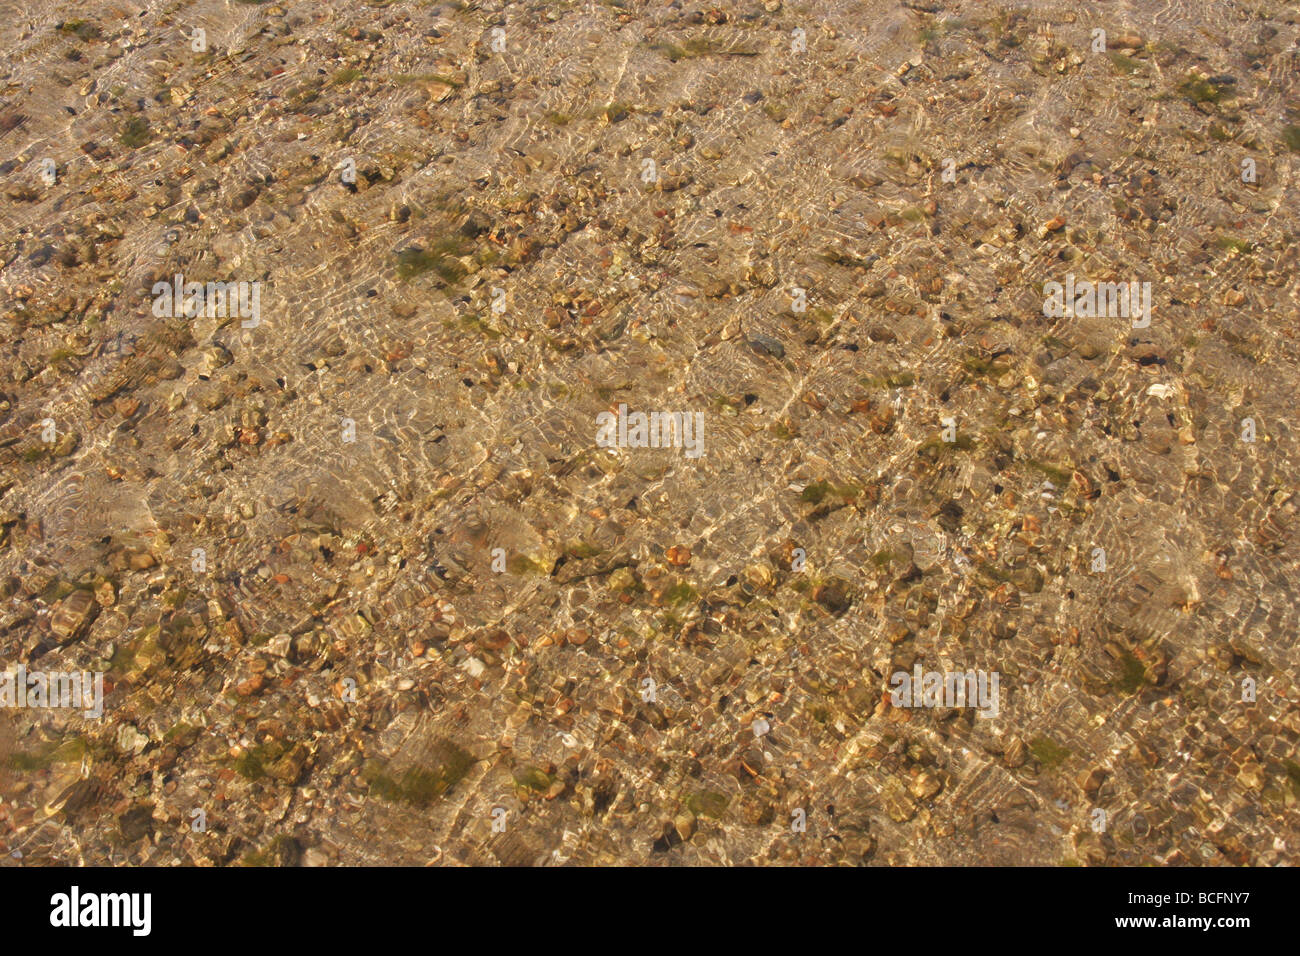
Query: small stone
1016,753
834,596
126,407
1090,781
73,617
250,687
130,740
925,785
882,419
759,576
142,561
684,823
766,345
1251,775
1052,225
896,802
288,768
243,199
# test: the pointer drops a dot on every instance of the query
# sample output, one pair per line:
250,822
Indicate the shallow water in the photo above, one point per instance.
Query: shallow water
521,170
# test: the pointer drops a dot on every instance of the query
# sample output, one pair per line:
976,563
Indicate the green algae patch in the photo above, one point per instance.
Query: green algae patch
615,112
1061,476
1122,63
680,593
1233,244
438,257
1133,674
581,550
529,564
977,365
534,779
819,491
1293,776
82,29
182,734
1048,752
47,755
136,132
896,379
250,765
708,803
420,785
1200,90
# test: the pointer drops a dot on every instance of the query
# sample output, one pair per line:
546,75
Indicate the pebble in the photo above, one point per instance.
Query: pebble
73,616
